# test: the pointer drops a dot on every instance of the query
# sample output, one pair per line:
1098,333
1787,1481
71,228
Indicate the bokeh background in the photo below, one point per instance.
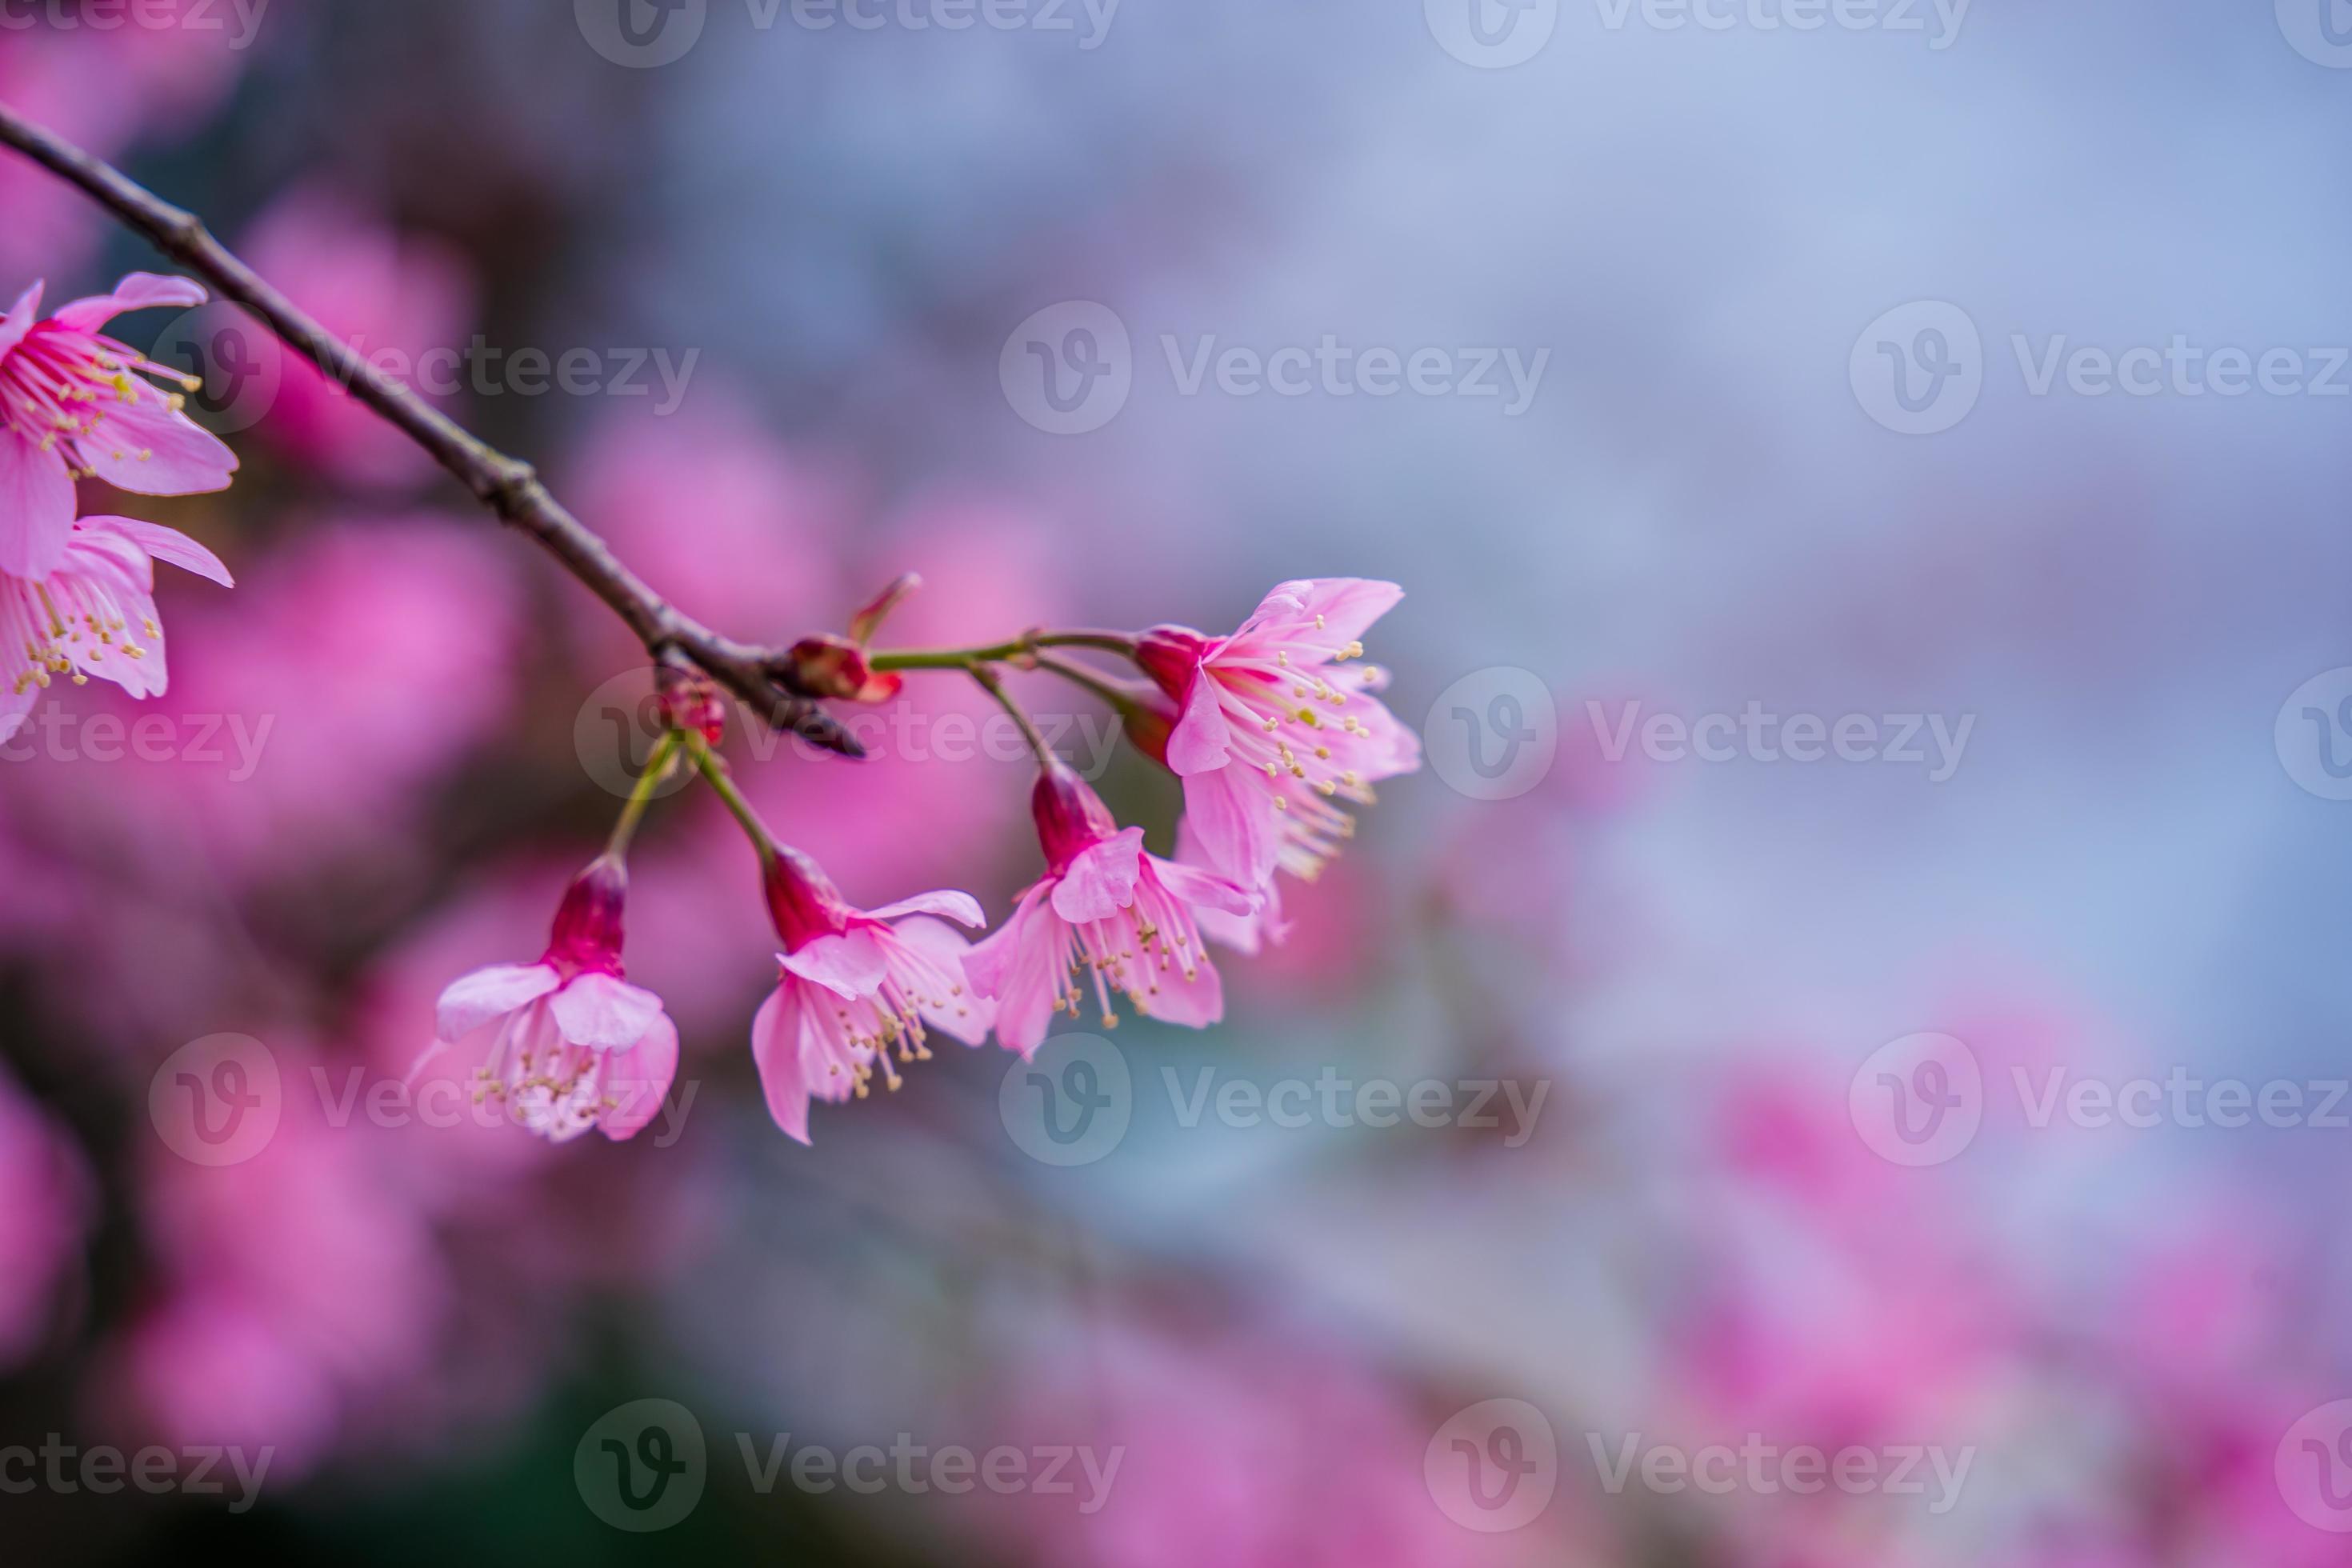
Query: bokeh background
401,732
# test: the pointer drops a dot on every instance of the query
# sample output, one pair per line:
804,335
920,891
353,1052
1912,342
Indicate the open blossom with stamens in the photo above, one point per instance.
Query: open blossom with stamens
1105,905
74,405
94,613
576,1045
854,985
1275,730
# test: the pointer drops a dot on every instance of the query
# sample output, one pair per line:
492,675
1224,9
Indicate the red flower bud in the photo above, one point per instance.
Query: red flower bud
1169,655
1070,817
801,899
830,665
867,621
587,934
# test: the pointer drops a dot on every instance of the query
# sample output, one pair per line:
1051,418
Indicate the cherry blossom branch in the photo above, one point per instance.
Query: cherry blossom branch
1023,647
995,687
762,677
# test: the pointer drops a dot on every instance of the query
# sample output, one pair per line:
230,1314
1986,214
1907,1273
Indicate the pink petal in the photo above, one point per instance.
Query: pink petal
961,907
21,317
1100,880
970,1017
475,999
166,544
1202,890
603,1013
1192,1004
36,507
1233,821
138,292
148,449
1347,605
776,1050
639,1079
850,965
1202,741
1021,968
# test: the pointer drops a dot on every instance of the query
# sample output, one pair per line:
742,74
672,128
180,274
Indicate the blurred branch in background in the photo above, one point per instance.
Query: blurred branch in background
762,677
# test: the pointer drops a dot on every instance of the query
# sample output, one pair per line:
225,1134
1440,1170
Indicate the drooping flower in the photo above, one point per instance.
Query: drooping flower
1106,905
576,1046
74,405
851,985
1274,731
93,613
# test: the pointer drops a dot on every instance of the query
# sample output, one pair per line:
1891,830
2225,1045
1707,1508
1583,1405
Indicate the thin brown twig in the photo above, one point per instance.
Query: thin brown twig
760,676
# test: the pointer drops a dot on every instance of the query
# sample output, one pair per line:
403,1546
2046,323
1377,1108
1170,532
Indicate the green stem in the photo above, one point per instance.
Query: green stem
995,687
657,766
715,770
1102,685
1023,647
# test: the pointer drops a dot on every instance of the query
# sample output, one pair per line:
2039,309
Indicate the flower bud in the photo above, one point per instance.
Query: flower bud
587,934
801,899
690,703
867,621
835,667
1169,655
1070,817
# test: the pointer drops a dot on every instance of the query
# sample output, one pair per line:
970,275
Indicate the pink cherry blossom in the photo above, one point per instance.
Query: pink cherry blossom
1273,730
854,984
93,613
576,1046
1108,905
73,404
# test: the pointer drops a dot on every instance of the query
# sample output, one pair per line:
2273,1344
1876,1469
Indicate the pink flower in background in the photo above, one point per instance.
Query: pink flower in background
42,1221
73,404
396,299
1106,905
853,985
93,613
577,1047
1273,730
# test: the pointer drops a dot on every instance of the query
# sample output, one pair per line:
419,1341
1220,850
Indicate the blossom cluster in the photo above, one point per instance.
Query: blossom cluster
1270,728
